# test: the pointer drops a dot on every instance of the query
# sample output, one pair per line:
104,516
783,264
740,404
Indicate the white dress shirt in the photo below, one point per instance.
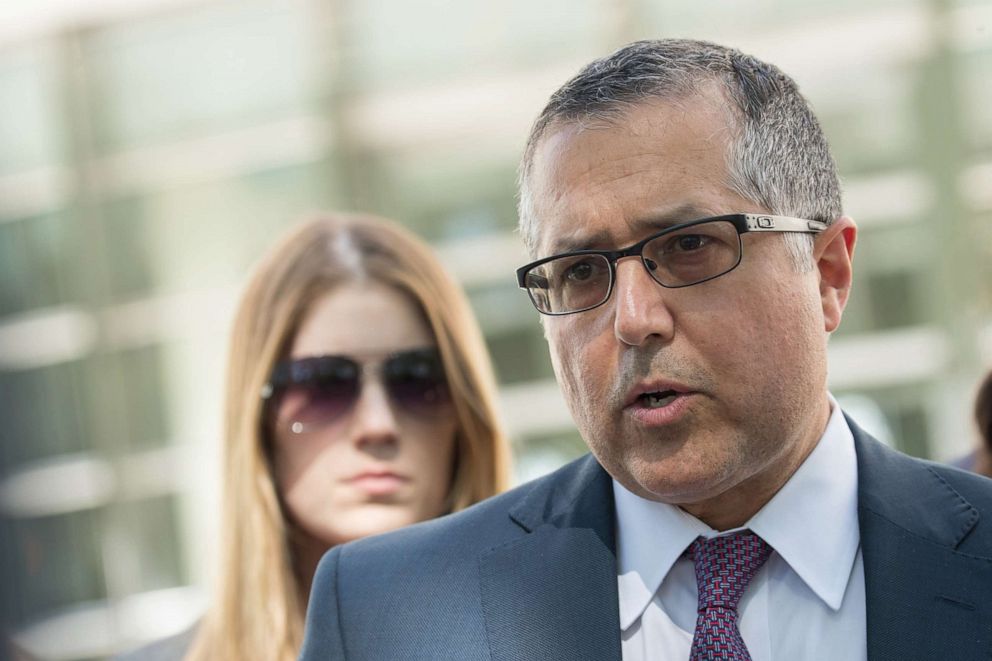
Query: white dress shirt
806,602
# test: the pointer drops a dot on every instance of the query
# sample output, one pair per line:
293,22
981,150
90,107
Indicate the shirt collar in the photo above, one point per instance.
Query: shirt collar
650,538
819,502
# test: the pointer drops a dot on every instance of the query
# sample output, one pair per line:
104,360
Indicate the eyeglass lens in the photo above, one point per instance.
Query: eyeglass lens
679,258
318,390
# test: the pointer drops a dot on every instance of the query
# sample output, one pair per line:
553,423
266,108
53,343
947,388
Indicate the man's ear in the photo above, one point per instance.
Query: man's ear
833,252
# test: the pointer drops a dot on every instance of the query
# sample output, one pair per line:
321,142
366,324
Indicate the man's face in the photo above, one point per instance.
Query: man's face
745,353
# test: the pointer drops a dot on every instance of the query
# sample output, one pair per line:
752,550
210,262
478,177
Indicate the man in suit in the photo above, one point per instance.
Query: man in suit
692,260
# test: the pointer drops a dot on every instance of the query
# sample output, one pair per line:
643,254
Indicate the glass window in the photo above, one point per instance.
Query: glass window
152,528
904,414
211,68
913,430
209,234
537,456
759,16
895,299
977,96
37,256
982,224
10,573
876,130
58,560
892,265
520,355
502,307
30,133
129,262
449,195
422,42
43,413
128,391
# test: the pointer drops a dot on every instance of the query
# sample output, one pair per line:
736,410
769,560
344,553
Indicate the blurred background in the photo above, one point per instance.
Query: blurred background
150,150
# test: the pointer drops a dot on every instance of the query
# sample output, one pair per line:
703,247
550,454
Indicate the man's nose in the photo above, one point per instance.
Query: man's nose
641,308
374,424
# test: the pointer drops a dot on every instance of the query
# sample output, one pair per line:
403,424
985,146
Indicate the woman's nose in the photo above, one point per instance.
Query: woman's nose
374,422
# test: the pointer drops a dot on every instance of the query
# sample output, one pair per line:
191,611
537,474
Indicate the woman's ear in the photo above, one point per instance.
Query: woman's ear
833,252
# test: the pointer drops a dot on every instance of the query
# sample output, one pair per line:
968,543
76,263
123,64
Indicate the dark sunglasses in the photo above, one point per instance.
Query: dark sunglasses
306,393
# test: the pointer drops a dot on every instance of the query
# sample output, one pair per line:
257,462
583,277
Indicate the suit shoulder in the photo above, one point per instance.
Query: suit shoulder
972,496
936,502
977,489
435,564
895,475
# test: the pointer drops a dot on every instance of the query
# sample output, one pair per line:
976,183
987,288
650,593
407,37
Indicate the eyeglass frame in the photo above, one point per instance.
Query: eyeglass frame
742,222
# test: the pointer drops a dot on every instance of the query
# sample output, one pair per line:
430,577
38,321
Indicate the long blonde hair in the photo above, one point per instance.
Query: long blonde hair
258,608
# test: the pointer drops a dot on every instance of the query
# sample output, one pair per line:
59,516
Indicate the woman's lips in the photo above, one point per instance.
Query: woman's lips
378,484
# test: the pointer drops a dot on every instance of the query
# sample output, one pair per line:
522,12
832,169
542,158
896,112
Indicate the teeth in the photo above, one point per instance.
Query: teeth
656,400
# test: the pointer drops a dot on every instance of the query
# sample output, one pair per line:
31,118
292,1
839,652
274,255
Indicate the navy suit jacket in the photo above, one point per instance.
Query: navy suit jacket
531,574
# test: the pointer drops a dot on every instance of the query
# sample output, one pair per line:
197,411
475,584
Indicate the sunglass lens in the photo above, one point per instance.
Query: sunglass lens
415,380
319,390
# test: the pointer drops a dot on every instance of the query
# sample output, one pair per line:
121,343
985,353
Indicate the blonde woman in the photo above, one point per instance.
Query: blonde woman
360,398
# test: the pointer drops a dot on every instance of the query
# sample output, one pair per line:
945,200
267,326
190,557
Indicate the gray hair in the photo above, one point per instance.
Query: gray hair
777,157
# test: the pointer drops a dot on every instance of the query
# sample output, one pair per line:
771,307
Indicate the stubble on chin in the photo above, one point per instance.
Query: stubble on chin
597,398
683,463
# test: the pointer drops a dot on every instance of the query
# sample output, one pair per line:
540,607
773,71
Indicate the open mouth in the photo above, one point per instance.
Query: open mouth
657,400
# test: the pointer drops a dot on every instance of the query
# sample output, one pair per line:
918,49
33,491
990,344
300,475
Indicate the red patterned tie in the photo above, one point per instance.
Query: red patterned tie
724,567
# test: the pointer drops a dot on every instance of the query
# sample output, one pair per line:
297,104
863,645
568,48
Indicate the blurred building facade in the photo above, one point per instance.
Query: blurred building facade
150,151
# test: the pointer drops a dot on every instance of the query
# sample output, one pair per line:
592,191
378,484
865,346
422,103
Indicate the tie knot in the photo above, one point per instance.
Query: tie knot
725,565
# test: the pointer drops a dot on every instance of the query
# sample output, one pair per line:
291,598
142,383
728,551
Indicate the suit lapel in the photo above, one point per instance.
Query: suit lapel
923,599
552,593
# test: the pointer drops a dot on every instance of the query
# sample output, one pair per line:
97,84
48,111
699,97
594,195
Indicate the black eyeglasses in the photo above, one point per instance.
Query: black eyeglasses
307,393
679,256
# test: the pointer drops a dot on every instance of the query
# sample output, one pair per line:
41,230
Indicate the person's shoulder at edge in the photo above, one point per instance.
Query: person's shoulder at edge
172,648
966,462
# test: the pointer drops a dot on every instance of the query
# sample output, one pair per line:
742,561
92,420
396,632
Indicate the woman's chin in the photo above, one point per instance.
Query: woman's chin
367,520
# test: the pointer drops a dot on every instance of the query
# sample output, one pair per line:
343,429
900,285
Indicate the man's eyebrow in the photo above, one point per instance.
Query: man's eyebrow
646,225
580,242
664,219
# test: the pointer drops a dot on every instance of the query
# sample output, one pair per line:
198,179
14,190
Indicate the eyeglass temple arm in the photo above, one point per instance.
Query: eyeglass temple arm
766,223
